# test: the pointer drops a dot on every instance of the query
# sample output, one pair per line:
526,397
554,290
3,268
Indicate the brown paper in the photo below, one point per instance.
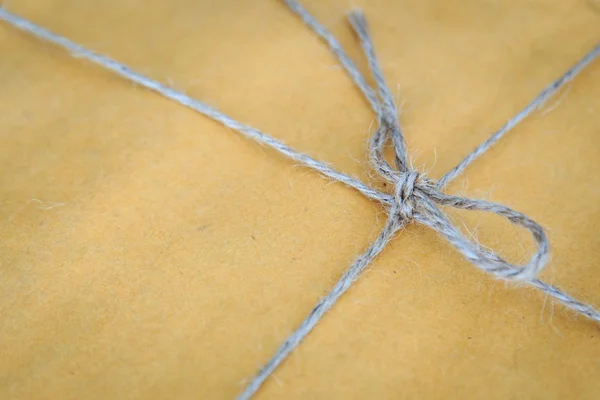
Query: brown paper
149,253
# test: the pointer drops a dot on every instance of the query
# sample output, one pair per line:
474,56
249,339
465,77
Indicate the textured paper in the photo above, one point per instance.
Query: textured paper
148,253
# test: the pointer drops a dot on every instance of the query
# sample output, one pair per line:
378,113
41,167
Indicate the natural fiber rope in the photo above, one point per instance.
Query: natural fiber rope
415,198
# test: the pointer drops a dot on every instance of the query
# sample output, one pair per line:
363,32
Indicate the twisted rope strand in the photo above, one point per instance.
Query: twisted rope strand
183,99
392,226
416,198
389,112
535,104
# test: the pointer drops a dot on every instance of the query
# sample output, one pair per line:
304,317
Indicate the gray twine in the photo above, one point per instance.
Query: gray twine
416,198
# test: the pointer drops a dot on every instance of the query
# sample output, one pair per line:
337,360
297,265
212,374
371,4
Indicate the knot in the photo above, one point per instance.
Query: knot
410,188
417,198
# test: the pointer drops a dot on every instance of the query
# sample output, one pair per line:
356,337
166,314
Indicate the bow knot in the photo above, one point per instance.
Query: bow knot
416,197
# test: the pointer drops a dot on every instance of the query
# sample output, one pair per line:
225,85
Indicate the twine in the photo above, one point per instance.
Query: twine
415,198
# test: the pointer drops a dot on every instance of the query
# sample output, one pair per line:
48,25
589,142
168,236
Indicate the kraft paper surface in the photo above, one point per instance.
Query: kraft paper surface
149,253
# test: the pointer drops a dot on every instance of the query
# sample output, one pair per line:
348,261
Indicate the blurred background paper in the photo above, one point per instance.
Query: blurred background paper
147,253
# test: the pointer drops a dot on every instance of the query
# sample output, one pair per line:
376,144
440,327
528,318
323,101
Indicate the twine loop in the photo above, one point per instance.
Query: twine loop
418,199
